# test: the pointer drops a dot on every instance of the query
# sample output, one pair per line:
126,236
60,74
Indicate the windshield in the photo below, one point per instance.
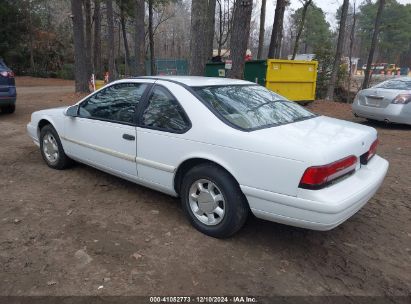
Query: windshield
397,84
251,106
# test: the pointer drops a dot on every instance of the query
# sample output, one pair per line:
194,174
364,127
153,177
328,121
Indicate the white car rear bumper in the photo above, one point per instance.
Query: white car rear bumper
322,209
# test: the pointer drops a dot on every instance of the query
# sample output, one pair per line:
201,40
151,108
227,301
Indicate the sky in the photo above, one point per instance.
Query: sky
328,6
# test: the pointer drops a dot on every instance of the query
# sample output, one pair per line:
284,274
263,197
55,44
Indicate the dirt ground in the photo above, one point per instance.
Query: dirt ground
71,232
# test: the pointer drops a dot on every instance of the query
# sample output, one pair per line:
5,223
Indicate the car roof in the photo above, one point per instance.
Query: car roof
199,81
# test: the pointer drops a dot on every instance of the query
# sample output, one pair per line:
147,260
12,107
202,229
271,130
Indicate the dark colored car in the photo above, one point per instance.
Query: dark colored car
7,89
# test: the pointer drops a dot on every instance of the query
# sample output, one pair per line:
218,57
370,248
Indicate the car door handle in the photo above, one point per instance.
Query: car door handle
129,137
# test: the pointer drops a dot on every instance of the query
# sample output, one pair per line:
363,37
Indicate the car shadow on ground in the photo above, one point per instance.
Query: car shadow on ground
384,125
256,230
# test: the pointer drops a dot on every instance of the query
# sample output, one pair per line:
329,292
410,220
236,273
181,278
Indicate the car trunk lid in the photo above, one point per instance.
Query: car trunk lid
376,97
317,141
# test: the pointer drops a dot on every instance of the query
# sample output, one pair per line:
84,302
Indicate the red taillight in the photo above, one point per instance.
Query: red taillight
373,150
402,99
7,74
319,176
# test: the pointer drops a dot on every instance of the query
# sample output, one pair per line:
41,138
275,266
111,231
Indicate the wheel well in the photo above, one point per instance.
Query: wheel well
41,125
187,165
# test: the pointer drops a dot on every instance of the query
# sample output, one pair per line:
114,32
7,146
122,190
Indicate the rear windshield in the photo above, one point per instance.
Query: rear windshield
397,84
251,107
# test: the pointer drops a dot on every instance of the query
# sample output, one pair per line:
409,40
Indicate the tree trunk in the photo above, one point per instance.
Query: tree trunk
338,51
220,29
210,28
124,32
352,35
110,44
262,30
198,45
139,50
277,32
278,45
30,31
97,39
80,71
373,44
300,28
239,37
151,37
118,57
88,43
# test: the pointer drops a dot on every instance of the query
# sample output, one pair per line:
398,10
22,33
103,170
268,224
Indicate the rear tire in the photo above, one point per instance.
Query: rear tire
9,109
52,149
213,201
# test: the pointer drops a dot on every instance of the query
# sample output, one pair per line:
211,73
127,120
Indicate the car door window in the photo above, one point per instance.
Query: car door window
116,103
163,112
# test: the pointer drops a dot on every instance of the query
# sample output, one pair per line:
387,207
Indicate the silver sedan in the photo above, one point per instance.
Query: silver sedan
388,101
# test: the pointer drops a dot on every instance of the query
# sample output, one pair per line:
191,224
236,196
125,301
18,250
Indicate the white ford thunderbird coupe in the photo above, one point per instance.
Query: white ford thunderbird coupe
226,147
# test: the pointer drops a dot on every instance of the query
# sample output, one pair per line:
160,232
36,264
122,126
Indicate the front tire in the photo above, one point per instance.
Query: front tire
52,149
213,201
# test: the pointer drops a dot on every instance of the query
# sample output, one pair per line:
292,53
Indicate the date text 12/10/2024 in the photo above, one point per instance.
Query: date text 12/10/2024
204,299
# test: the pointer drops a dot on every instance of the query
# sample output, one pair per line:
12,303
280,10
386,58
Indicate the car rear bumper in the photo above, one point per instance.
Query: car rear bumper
6,100
322,209
392,113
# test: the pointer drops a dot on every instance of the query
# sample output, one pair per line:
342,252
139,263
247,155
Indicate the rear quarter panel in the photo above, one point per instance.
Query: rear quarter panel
251,169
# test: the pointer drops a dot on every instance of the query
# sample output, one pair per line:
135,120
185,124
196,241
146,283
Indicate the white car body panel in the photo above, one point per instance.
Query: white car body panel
268,163
320,209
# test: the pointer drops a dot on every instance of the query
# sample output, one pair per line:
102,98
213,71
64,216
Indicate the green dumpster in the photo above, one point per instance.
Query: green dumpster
256,71
215,69
169,67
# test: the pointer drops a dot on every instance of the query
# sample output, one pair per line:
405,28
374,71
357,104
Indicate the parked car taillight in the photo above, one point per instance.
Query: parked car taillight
319,176
370,153
8,74
402,99
373,150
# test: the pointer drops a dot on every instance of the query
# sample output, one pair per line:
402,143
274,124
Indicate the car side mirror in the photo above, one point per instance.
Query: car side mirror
72,111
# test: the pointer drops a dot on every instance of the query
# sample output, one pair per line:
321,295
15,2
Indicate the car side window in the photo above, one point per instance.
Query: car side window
163,112
116,103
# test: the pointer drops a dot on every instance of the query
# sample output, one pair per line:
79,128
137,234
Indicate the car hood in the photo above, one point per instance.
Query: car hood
52,111
319,140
